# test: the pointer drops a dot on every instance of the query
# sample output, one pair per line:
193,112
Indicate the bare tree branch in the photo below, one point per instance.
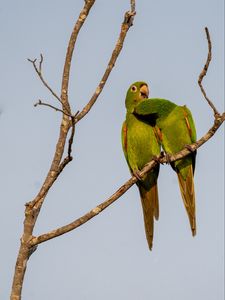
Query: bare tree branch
56,167
132,4
98,209
127,23
40,102
66,71
40,75
40,63
204,71
70,144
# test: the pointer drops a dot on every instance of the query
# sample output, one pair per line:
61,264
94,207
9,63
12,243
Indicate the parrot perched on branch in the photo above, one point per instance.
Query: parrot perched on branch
176,130
140,144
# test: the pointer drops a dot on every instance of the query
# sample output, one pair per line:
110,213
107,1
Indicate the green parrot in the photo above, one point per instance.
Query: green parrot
140,144
176,130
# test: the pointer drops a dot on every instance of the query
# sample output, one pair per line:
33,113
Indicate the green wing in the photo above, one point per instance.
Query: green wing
124,139
190,124
154,107
178,130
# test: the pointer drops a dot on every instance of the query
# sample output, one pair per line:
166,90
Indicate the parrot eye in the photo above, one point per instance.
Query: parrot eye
134,88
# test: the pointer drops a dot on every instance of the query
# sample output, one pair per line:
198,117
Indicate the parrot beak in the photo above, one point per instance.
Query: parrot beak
144,91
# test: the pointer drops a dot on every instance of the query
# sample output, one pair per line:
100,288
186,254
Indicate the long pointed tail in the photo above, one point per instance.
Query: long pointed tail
150,206
188,195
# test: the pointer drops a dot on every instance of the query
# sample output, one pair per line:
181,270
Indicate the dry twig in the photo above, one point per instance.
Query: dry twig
40,102
38,70
204,71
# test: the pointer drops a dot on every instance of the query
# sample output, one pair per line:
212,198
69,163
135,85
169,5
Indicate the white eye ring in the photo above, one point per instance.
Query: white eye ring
133,89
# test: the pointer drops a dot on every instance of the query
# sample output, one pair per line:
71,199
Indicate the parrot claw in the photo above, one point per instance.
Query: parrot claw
136,173
189,148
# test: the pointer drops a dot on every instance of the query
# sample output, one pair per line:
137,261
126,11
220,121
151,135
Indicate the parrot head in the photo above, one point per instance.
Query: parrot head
136,93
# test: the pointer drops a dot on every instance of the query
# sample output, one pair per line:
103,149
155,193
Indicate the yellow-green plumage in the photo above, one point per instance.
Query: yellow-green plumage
140,145
177,130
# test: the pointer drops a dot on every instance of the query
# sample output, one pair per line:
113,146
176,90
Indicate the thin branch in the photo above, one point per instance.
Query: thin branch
95,211
40,63
40,102
70,142
132,5
69,158
127,23
66,71
204,71
38,70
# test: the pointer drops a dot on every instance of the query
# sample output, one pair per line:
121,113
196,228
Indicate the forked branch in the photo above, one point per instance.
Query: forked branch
40,102
38,70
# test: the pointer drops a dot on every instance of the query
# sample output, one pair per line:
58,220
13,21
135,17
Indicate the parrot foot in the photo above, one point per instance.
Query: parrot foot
189,148
136,173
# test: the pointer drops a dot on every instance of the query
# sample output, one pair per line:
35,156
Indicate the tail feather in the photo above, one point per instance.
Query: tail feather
150,206
154,196
188,195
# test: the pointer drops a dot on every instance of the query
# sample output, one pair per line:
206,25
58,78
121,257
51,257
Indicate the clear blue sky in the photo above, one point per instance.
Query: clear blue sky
108,258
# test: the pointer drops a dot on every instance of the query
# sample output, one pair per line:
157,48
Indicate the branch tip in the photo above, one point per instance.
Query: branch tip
33,61
40,62
204,72
53,107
